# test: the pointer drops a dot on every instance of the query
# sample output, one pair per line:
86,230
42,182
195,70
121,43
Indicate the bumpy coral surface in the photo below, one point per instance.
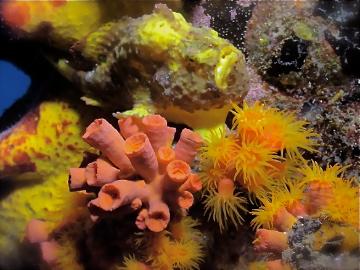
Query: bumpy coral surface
163,177
44,144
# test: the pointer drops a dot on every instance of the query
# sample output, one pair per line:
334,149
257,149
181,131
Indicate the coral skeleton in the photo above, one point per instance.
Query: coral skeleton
140,171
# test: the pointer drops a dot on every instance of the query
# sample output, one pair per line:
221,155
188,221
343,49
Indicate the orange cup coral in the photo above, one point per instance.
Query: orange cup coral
263,147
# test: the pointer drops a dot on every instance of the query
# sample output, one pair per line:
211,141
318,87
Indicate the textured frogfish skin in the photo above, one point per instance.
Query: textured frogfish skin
182,68
43,144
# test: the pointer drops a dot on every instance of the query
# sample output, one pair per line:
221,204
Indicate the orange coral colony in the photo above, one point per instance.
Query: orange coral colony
263,147
141,151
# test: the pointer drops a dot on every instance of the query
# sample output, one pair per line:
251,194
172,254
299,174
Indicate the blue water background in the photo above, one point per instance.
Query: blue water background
13,84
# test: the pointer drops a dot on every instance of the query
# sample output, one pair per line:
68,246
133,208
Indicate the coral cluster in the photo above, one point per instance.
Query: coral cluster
139,170
263,146
305,217
311,214
180,247
263,154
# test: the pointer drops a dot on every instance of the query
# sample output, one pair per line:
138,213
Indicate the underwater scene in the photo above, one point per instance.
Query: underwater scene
179,134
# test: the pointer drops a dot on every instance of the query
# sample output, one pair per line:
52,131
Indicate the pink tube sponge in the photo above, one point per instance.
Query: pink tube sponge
103,136
146,174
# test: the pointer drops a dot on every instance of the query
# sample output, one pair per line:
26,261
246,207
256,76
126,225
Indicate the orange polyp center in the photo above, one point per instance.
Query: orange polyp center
283,220
166,154
154,121
249,134
253,117
178,170
273,137
226,187
134,143
16,14
251,159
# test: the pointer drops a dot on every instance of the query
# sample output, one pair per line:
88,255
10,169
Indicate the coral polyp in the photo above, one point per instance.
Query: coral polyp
308,213
264,215
224,205
131,263
252,162
249,120
184,229
261,151
210,175
315,173
179,248
344,205
278,130
218,147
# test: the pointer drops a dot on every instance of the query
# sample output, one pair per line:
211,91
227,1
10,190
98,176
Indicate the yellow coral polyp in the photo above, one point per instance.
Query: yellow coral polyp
131,263
289,192
210,175
284,132
315,173
344,204
252,162
167,255
284,193
218,148
186,255
224,206
277,130
249,120
227,59
264,215
184,229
